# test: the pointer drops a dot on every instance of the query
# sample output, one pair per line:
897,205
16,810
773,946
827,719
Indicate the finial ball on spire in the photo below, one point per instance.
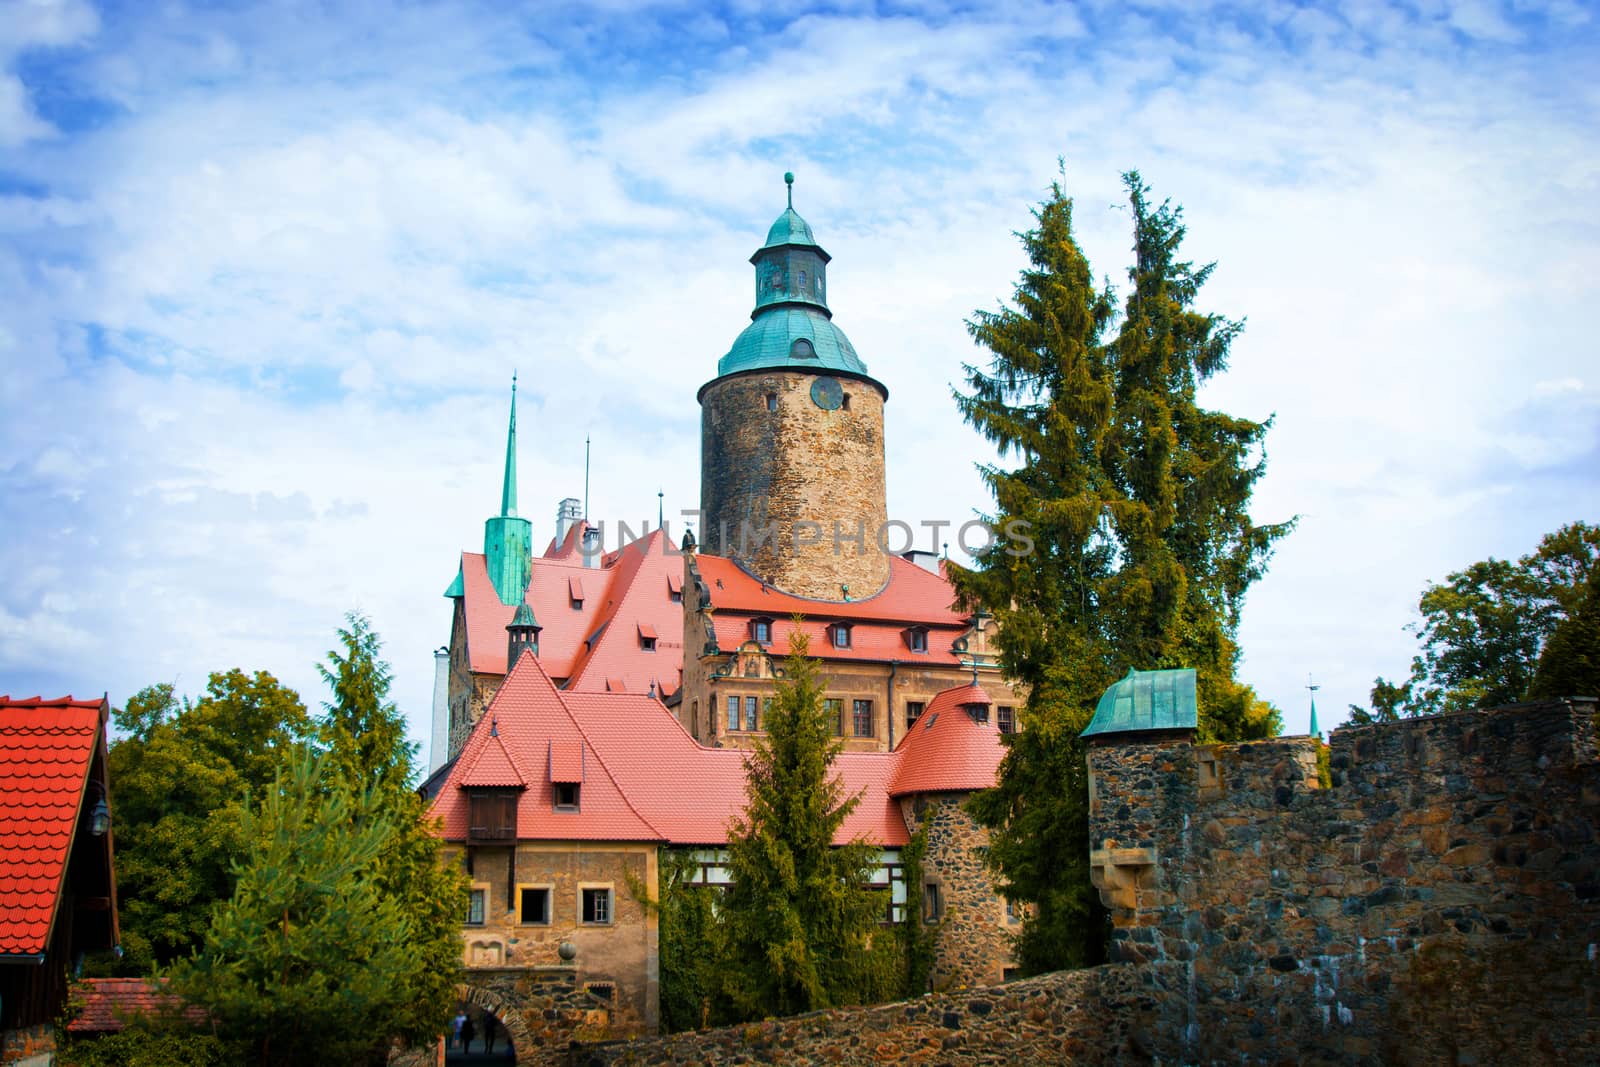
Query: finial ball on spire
788,177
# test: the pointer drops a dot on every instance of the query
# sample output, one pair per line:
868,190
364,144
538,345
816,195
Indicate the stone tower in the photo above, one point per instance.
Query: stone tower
791,439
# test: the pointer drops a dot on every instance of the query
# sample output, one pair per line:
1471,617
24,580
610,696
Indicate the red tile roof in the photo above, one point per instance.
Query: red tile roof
46,749
109,1003
912,595
947,750
646,779
491,766
868,640
597,641
566,762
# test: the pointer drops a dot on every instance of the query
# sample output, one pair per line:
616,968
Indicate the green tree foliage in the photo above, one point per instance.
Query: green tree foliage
1570,663
1136,502
366,747
150,1043
177,777
312,958
798,919
1483,628
689,966
1388,700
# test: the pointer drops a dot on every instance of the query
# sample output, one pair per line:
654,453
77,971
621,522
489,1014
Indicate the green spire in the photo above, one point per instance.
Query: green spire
508,540
508,492
1314,731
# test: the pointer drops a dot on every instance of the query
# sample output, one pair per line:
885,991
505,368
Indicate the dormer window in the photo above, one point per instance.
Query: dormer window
979,713
675,588
575,593
566,796
761,631
917,639
647,637
839,635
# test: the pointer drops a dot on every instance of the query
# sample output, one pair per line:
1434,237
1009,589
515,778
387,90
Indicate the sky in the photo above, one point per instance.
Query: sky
266,271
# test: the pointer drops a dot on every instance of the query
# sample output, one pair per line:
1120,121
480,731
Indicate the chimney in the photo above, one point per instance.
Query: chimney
568,512
592,547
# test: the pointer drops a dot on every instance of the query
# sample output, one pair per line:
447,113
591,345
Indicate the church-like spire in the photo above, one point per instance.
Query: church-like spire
508,491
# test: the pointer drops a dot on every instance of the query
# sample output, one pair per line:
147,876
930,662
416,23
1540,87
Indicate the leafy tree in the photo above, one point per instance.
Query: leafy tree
687,922
366,743
1570,663
312,959
1136,501
1387,699
798,918
1482,630
178,777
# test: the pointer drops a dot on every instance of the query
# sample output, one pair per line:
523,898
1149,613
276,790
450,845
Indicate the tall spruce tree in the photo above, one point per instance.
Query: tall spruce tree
797,922
366,747
1136,502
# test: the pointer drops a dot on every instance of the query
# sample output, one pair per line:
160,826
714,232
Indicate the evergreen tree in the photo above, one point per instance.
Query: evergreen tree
313,958
1570,663
798,920
365,737
178,777
1135,499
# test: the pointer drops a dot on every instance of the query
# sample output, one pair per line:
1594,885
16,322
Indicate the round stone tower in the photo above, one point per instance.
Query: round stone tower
791,435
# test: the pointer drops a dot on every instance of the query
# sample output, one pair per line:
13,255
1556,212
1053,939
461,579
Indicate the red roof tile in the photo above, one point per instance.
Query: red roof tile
868,640
947,750
491,766
46,748
109,1003
912,595
566,762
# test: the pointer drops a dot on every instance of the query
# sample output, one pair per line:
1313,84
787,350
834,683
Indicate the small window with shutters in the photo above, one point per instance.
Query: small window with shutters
493,816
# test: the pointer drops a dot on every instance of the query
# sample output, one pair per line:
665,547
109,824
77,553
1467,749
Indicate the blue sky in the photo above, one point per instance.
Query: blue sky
267,270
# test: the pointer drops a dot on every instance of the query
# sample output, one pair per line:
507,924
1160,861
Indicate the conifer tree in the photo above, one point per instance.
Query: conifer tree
365,737
1135,500
1570,663
797,922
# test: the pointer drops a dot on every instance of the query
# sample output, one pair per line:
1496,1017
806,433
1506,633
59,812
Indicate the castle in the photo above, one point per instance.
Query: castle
594,704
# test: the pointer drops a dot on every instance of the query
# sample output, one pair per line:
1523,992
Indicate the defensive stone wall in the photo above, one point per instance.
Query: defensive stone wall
973,943
1439,903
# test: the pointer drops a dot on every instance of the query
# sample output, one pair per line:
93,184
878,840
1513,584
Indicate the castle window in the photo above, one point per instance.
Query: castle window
1013,912
833,708
845,402
675,588
533,905
575,593
1006,718
839,634
772,401
750,705
978,712
914,710
761,631
917,639
492,817
932,903
861,718
596,905
477,905
566,796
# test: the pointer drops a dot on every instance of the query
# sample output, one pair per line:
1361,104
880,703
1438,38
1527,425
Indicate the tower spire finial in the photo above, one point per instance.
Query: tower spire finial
508,491
1313,687
788,180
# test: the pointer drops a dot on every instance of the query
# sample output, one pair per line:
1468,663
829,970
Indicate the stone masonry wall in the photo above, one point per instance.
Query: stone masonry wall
973,943
1439,904
796,464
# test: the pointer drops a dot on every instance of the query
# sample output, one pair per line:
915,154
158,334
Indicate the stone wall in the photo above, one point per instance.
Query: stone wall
1091,1017
1440,903
795,464
28,1046
972,947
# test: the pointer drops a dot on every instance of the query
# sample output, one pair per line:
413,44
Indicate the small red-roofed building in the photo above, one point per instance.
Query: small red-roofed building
562,804
57,891
108,1005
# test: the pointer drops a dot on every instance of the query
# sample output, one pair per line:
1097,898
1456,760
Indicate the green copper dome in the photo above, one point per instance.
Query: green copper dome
1145,702
791,326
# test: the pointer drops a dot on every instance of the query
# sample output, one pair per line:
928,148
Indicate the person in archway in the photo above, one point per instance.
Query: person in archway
468,1032
456,1024
489,1028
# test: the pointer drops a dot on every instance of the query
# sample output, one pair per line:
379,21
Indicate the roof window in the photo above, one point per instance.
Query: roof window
839,634
802,349
647,637
917,638
761,631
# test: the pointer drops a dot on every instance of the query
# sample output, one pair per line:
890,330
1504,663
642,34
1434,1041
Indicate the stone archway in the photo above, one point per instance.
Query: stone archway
504,1009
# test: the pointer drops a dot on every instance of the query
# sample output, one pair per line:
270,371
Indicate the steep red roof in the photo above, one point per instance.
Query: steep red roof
491,766
527,716
868,640
598,639
947,750
109,1003
645,778
46,749
912,595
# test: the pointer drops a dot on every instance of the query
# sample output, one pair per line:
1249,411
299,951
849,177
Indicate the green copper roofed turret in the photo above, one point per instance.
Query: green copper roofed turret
508,540
791,324
1147,701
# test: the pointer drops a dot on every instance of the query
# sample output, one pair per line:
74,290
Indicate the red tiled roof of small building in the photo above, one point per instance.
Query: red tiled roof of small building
491,766
46,749
110,1003
913,595
947,750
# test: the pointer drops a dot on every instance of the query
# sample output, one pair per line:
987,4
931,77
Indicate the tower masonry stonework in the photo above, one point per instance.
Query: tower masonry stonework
793,490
